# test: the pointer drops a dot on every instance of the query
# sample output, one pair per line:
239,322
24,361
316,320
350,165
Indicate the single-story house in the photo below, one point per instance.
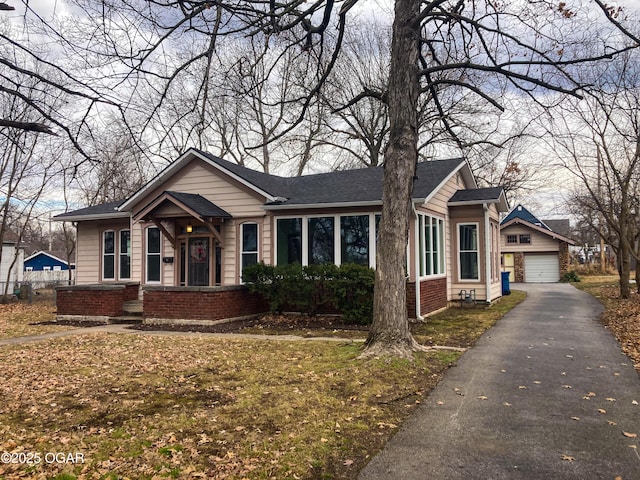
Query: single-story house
531,250
186,236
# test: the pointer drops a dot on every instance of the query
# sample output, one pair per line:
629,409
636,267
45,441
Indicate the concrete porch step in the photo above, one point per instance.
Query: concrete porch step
133,308
126,319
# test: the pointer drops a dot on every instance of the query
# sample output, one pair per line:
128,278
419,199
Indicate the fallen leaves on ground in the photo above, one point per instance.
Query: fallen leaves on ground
622,316
21,319
165,407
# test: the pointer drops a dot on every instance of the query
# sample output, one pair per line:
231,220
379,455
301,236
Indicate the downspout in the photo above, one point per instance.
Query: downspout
487,252
416,260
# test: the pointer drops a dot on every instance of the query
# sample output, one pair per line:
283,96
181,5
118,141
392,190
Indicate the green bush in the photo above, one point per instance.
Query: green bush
347,288
353,293
571,276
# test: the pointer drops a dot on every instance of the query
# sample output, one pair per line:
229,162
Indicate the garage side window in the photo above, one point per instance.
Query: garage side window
468,251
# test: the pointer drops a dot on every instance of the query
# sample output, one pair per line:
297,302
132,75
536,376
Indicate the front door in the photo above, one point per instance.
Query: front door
198,262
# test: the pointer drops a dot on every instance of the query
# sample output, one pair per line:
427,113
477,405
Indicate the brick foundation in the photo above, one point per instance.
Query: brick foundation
433,296
87,301
201,303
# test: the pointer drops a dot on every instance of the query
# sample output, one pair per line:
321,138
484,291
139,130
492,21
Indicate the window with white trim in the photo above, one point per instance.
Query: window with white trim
468,251
249,246
431,245
109,255
124,272
153,260
335,239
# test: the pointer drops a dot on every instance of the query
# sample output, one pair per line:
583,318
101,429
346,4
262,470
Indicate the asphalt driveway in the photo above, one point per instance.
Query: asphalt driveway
545,394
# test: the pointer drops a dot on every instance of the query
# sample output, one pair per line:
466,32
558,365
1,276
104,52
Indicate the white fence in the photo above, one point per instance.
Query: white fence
49,278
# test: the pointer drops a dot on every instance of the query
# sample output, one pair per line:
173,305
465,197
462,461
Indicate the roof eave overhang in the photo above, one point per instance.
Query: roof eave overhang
316,206
501,203
95,216
550,233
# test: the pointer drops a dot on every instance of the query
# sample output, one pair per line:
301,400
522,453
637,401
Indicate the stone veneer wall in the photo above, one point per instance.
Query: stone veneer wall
564,258
518,260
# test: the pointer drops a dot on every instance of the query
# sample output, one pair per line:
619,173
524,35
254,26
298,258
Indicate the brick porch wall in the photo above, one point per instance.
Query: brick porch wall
433,296
104,300
201,303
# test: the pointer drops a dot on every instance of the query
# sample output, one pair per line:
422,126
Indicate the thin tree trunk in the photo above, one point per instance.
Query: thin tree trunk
389,333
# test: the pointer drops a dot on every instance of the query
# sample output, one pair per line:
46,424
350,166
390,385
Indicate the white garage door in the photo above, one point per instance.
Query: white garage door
541,268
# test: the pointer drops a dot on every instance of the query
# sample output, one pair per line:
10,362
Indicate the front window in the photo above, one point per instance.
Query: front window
468,248
354,239
153,254
321,240
289,231
431,240
249,245
125,254
525,238
511,239
109,255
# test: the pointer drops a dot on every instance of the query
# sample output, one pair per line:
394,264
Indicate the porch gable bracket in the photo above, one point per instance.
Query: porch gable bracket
164,231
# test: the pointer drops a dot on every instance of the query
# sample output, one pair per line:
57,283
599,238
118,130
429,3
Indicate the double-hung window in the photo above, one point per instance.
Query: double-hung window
249,247
468,251
125,255
109,255
116,255
431,245
153,262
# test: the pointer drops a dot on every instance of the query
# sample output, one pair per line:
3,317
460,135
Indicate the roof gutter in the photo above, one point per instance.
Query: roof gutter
95,216
416,261
487,252
291,206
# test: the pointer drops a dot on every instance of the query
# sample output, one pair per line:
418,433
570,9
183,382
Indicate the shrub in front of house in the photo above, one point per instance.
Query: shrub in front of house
315,288
571,276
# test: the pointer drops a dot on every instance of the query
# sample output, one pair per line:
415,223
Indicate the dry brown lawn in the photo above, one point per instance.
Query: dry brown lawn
622,316
118,406
21,319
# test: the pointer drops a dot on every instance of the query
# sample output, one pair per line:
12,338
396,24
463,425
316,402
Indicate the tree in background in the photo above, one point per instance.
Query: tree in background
598,141
442,51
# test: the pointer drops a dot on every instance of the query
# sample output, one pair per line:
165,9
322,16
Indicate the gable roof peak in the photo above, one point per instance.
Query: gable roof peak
520,212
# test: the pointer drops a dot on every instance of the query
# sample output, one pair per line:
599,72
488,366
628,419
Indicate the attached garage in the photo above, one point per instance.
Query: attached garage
541,268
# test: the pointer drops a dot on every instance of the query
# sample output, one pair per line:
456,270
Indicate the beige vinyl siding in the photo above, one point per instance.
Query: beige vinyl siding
539,241
137,233
197,177
438,206
200,178
459,215
229,257
89,249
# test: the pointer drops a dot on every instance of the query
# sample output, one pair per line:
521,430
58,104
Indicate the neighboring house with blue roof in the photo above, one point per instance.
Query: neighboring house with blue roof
533,251
44,268
201,220
45,261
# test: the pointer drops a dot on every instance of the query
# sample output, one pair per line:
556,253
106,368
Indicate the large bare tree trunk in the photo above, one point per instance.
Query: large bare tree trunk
389,334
